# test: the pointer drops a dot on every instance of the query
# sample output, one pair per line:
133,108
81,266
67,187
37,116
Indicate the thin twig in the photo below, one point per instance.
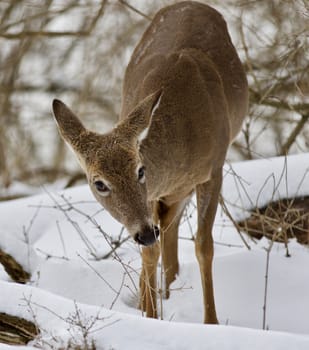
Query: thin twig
125,3
268,250
229,215
98,274
61,238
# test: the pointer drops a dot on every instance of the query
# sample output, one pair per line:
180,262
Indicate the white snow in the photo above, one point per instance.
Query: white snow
56,236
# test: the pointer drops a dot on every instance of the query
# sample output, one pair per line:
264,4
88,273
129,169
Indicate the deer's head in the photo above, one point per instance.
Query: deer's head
114,166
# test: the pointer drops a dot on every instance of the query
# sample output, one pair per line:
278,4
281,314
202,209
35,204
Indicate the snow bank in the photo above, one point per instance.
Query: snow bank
53,237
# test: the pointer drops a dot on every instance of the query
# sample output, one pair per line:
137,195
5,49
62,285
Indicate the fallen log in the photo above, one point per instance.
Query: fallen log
13,268
16,330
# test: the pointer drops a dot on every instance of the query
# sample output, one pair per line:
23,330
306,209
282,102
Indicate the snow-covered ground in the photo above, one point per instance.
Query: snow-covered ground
61,239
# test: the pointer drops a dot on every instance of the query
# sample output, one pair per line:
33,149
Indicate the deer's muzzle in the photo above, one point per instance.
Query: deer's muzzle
147,236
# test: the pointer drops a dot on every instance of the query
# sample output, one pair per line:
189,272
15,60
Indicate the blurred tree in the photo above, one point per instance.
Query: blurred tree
78,51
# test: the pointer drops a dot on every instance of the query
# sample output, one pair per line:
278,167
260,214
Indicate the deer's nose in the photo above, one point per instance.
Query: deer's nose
147,236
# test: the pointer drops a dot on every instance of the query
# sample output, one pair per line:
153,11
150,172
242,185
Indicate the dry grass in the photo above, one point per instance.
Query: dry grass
280,221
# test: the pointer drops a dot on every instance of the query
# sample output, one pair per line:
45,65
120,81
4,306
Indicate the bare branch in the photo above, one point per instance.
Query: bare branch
125,3
53,34
258,98
294,134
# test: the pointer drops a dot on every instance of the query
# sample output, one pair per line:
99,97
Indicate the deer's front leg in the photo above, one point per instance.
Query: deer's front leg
148,280
207,195
169,218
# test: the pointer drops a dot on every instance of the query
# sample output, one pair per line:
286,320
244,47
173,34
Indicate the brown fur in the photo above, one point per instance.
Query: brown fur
186,59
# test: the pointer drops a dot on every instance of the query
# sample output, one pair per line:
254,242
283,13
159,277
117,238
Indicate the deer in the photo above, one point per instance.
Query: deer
184,98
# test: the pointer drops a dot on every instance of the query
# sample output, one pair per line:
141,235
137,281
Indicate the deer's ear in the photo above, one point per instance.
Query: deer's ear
137,124
69,125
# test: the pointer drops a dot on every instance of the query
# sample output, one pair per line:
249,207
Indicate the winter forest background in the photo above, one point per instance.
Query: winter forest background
78,51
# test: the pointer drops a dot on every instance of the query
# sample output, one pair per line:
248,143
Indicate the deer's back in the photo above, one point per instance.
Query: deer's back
187,51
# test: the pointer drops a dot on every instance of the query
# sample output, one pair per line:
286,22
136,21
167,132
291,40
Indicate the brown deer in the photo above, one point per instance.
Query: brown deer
184,99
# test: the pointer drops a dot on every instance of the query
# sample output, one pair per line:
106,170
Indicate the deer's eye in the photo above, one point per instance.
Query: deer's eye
141,175
102,188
